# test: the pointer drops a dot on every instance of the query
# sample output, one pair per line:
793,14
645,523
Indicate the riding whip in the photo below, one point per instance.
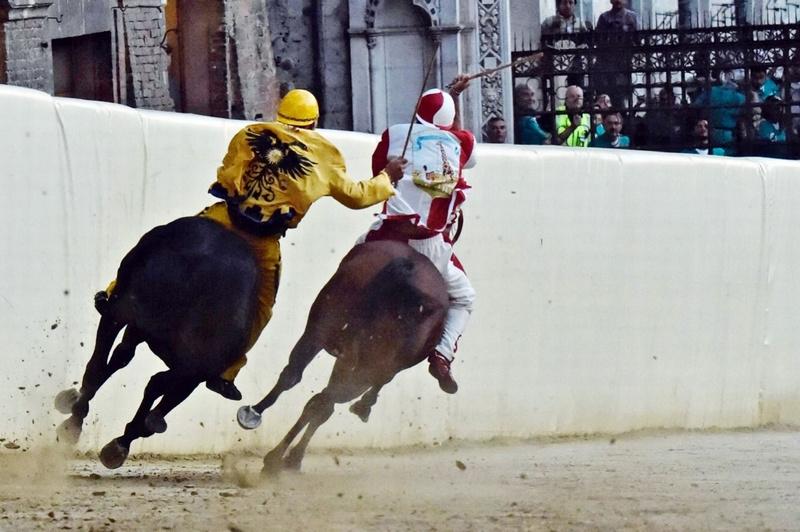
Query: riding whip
488,71
419,99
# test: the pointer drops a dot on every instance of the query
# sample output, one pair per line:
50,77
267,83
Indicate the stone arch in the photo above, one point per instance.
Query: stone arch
431,8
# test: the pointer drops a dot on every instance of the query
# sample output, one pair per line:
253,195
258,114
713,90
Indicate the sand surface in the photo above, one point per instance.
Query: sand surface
646,481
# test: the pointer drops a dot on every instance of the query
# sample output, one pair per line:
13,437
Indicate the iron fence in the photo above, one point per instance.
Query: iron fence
634,67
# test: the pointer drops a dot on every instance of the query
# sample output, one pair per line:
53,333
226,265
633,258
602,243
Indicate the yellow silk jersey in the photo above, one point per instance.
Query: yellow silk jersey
272,174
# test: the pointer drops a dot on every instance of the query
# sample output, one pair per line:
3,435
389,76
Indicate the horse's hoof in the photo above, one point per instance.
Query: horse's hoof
113,454
361,410
69,432
155,423
292,463
273,465
248,418
66,399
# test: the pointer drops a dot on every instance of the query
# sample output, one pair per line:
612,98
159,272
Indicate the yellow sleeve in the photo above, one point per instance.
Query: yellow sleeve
234,166
361,194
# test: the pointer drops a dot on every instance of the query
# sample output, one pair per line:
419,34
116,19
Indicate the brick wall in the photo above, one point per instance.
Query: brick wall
28,63
144,29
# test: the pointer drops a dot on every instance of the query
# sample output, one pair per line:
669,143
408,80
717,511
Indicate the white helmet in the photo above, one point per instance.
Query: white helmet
436,109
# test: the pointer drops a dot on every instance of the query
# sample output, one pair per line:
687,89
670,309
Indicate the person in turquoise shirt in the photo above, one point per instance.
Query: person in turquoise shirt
725,103
770,128
701,143
526,128
611,137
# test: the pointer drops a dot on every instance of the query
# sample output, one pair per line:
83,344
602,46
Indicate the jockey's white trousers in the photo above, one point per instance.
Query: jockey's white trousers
459,290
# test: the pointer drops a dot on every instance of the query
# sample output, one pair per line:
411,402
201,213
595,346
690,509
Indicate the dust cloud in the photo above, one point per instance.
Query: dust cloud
644,481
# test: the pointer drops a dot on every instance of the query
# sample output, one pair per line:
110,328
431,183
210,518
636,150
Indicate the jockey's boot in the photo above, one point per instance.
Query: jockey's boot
101,302
440,369
226,389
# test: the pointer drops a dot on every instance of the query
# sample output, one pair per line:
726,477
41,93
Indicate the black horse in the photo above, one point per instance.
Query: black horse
381,312
188,289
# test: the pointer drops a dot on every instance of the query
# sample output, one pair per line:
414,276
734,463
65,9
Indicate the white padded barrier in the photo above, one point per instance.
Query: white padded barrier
616,290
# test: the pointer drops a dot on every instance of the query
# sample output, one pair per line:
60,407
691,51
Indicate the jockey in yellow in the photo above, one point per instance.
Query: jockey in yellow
269,178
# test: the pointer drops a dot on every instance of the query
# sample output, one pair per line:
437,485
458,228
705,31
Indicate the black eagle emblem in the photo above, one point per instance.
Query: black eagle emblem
274,162
279,157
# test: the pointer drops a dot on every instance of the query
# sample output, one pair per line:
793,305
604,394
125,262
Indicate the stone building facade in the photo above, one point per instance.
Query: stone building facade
364,59
134,52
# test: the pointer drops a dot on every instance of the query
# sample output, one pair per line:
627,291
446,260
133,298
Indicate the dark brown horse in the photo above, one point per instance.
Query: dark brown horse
381,312
188,289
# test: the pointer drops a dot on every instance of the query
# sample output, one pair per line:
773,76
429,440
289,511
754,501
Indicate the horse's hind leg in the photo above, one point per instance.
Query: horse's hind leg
116,451
154,421
363,406
341,389
273,461
97,372
302,354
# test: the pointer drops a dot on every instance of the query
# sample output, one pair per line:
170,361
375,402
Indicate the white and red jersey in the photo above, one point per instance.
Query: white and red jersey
432,186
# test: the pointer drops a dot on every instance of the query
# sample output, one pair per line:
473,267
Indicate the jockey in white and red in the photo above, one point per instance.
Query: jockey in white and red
426,203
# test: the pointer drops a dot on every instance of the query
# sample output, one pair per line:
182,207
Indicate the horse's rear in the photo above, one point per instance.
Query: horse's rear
188,289
381,312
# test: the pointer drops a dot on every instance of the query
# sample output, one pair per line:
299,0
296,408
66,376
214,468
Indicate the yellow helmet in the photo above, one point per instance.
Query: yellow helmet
298,108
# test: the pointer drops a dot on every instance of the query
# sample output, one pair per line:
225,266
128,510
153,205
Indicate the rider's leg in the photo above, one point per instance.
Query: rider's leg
101,298
268,255
462,301
462,298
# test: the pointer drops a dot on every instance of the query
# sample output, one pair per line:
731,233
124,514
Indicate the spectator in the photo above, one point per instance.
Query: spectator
612,137
701,144
601,103
662,123
724,101
565,21
496,130
613,65
762,86
618,18
526,127
573,126
793,79
771,128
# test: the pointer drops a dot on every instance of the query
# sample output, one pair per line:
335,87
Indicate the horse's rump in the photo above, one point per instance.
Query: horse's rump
190,288
385,297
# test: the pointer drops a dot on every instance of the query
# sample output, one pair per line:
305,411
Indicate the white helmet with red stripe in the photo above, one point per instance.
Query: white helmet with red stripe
436,109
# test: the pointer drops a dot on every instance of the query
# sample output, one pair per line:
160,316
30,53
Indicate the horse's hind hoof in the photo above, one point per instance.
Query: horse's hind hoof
155,422
361,410
273,465
292,462
66,399
69,432
113,454
248,418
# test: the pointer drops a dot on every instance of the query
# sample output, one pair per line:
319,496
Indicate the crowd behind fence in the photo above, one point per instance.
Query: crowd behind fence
743,81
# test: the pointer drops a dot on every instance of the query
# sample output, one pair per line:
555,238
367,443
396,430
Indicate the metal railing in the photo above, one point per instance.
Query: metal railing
634,67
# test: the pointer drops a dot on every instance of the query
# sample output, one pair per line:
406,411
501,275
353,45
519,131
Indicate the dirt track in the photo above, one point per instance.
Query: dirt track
680,481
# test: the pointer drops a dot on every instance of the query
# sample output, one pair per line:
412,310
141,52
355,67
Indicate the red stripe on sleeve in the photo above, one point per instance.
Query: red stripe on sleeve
379,156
